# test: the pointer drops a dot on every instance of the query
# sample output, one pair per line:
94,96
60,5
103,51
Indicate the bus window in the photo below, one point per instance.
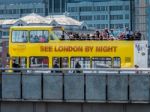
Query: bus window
23,62
38,62
58,34
64,62
19,62
116,62
20,36
56,61
83,61
38,36
101,62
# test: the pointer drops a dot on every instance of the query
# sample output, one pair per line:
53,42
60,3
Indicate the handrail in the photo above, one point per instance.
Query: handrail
84,69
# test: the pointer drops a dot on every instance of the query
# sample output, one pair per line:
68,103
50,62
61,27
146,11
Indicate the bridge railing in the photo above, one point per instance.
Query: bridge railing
98,85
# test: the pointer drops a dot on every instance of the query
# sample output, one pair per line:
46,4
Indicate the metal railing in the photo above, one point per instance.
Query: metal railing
75,69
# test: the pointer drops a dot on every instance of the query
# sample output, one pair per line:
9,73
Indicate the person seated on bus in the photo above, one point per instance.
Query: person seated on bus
100,36
62,37
71,37
77,65
42,39
97,34
24,39
31,38
105,33
128,34
36,38
77,37
88,37
15,65
137,35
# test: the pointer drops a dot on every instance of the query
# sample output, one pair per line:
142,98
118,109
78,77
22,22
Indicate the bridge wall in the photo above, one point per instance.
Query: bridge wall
57,87
58,92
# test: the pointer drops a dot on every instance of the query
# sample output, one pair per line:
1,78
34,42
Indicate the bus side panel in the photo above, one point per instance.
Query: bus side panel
141,54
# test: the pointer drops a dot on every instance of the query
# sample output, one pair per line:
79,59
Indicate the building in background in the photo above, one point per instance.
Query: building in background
112,14
55,6
13,11
148,27
33,19
148,20
139,16
10,9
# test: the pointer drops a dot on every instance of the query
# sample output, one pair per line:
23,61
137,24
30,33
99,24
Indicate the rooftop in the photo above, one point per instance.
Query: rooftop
49,20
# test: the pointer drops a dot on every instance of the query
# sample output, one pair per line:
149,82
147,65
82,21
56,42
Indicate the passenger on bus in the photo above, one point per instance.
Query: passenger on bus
62,37
56,65
78,66
137,36
128,34
136,66
88,37
42,39
36,38
97,34
15,65
7,67
24,39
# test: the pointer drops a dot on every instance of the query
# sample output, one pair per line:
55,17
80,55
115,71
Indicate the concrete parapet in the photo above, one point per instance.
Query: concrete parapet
31,87
95,87
74,87
117,87
53,86
139,88
11,86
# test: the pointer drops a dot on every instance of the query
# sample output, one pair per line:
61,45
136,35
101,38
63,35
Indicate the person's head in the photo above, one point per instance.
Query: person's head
106,30
56,62
77,62
111,30
136,66
14,61
127,29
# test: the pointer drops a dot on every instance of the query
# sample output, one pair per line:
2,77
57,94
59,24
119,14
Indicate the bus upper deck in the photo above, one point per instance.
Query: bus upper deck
44,34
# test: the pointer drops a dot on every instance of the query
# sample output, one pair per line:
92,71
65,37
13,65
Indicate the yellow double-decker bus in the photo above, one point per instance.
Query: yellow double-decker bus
43,46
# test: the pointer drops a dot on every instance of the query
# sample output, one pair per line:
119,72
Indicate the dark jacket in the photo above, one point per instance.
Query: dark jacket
78,66
14,65
56,66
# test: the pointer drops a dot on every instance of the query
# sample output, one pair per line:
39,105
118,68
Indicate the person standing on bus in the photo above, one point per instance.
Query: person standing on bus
56,66
15,65
78,66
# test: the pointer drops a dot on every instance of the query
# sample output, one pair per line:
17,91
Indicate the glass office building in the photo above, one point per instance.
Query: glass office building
140,16
19,1
113,14
10,9
148,20
55,6
94,0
